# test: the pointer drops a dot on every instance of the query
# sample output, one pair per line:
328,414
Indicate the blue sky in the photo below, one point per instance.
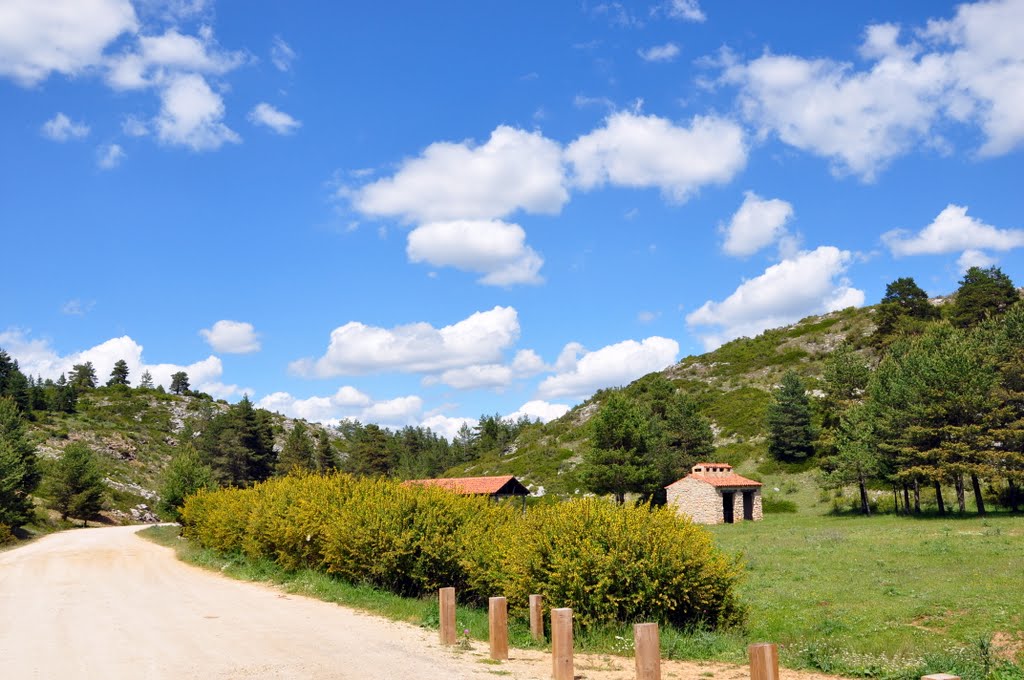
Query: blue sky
417,213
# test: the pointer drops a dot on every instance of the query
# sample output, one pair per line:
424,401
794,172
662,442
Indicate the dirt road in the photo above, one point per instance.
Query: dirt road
104,603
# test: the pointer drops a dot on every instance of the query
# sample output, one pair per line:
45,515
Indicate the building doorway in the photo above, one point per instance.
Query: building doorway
728,498
748,505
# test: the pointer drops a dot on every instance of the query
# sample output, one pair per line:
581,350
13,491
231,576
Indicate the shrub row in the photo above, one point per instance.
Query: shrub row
609,563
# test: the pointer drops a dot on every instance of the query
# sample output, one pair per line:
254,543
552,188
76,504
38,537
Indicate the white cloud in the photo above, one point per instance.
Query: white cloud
609,366
281,54
974,258
493,248
64,36
77,307
192,115
810,282
447,426
527,362
232,337
158,58
496,376
953,230
278,121
109,156
356,348
666,52
968,69
513,170
538,409
37,357
60,128
646,151
346,403
757,223
133,127
687,10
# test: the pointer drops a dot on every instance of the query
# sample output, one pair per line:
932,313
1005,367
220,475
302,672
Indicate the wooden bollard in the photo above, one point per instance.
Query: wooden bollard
498,619
561,643
647,649
764,661
940,676
536,617
446,615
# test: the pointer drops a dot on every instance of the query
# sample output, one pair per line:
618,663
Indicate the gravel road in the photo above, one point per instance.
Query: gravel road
104,603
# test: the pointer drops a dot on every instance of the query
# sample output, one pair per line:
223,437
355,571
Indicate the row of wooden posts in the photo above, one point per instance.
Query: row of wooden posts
764,659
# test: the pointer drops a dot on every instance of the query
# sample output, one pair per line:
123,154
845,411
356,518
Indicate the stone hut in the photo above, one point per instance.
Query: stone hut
713,494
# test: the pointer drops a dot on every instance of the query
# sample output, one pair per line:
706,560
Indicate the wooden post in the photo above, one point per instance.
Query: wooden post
561,643
498,625
940,676
536,617
647,649
446,615
764,661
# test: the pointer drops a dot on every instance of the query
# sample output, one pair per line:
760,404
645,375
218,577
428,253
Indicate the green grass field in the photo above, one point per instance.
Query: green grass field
880,597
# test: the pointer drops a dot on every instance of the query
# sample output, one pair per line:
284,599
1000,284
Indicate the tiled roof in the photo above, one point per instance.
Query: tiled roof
729,479
469,485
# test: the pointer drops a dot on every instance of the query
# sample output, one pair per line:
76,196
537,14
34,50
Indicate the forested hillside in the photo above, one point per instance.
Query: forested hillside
912,403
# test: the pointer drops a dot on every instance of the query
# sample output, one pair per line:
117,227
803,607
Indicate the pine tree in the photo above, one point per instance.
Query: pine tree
119,374
76,486
297,453
83,376
982,293
370,455
790,434
856,458
903,309
179,383
325,456
19,470
618,461
146,381
186,474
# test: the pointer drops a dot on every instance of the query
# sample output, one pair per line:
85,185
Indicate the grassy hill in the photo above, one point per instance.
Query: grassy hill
732,385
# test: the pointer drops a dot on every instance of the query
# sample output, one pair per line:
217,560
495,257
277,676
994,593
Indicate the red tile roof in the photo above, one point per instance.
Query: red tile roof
728,479
471,485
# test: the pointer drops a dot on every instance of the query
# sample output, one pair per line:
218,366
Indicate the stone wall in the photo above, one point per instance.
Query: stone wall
702,502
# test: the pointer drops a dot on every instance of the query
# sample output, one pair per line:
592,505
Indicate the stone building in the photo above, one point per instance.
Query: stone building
713,494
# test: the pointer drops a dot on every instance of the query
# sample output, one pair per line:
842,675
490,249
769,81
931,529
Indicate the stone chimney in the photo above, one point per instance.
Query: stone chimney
712,469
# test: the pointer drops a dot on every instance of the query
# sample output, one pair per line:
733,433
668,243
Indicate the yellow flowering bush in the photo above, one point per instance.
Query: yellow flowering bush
608,562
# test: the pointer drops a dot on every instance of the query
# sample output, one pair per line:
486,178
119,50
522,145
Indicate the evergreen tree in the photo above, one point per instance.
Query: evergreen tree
179,383
186,475
146,381
326,458
1005,437
856,459
83,376
297,454
904,309
618,462
682,437
846,376
119,374
239,444
19,470
76,486
790,434
982,293
370,455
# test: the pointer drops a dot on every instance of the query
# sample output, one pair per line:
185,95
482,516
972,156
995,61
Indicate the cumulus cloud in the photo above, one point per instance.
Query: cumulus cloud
192,115
666,52
278,121
281,54
953,230
758,223
647,151
687,10
497,376
356,348
810,282
62,36
347,403
232,337
38,357
513,170
538,409
609,366
447,426
157,58
968,69
974,258
60,128
109,156
493,248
